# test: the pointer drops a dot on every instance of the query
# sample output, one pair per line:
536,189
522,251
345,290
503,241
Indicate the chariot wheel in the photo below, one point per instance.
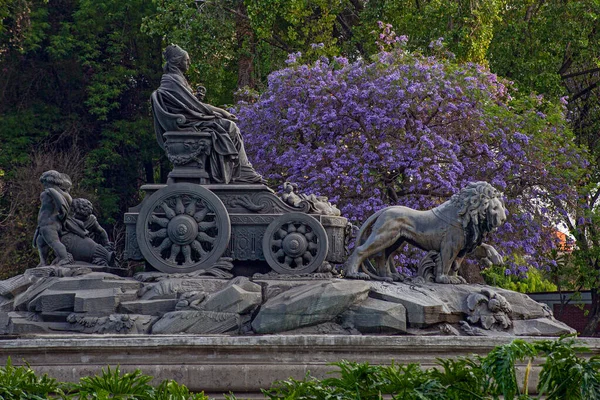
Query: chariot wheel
295,243
183,228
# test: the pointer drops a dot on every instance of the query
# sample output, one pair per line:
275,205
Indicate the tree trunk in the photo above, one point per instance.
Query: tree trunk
594,315
247,48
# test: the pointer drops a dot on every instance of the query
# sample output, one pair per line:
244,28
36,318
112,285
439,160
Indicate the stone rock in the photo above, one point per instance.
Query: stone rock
273,288
198,322
523,306
171,288
22,300
53,300
309,305
126,295
541,327
6,304
102,301
55,316
376,316
241,298
326,328
23,323
114,323
148,307
95,281
423,307
15,285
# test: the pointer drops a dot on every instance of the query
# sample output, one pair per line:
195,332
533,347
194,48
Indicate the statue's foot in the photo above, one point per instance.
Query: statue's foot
398,277
357,275
445,279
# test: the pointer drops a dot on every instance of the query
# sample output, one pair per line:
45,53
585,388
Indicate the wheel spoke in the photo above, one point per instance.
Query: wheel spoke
187,253
288,261
309,236
302,229
312,246
198,247
179,209
162,233
191,208
291,228
200,215
308,257
204,226
203,237
281,233
175,250
276,243
162,222
164,245
298,261
280,253
168,210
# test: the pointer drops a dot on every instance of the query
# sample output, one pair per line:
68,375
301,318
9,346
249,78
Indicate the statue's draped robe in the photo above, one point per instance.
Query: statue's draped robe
175,108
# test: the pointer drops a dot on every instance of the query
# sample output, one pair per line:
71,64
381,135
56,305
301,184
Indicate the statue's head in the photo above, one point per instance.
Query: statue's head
55,178
178,60
82,208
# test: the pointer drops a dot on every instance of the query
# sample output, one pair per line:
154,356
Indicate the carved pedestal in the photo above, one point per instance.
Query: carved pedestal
188,151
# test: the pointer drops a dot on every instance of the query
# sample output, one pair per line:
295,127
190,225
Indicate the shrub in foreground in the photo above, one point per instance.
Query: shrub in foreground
564,376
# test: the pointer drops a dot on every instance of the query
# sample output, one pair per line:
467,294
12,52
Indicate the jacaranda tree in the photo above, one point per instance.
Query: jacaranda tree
411,129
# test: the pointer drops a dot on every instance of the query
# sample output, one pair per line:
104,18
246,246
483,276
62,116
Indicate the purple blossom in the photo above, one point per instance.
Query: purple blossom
417,129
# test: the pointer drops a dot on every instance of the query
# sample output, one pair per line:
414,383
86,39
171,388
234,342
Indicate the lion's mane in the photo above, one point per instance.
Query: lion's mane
473,212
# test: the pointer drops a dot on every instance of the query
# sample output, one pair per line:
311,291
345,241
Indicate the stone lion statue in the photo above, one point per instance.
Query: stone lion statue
449,232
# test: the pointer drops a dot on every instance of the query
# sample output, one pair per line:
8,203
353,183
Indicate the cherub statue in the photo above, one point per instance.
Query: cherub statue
83,211
53,218
65,232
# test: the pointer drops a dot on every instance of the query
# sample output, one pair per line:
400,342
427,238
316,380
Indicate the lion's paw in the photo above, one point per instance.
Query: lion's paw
457,280
443,279
357,275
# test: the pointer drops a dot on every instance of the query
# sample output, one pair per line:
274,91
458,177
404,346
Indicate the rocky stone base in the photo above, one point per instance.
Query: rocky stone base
77,299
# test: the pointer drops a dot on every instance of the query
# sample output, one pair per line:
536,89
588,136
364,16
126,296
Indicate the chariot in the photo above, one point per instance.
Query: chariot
189,223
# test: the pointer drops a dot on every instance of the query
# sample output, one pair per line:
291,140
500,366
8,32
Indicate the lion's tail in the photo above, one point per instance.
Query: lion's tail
366,226
366,229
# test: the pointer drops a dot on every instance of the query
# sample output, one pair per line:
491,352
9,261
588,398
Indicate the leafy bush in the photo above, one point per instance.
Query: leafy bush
530,282
21,383
564,376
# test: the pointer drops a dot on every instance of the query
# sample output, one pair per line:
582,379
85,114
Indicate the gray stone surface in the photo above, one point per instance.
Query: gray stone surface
423,308
170,288
540,327
23,299
53,300
15,285
241,298
376,316
114,323
198,322
308,305
155,307
103,301
95,281
272,288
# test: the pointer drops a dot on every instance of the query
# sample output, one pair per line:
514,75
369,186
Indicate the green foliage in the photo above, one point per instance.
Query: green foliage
116,385
531,282
499,366
171,390
564,375
21,383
